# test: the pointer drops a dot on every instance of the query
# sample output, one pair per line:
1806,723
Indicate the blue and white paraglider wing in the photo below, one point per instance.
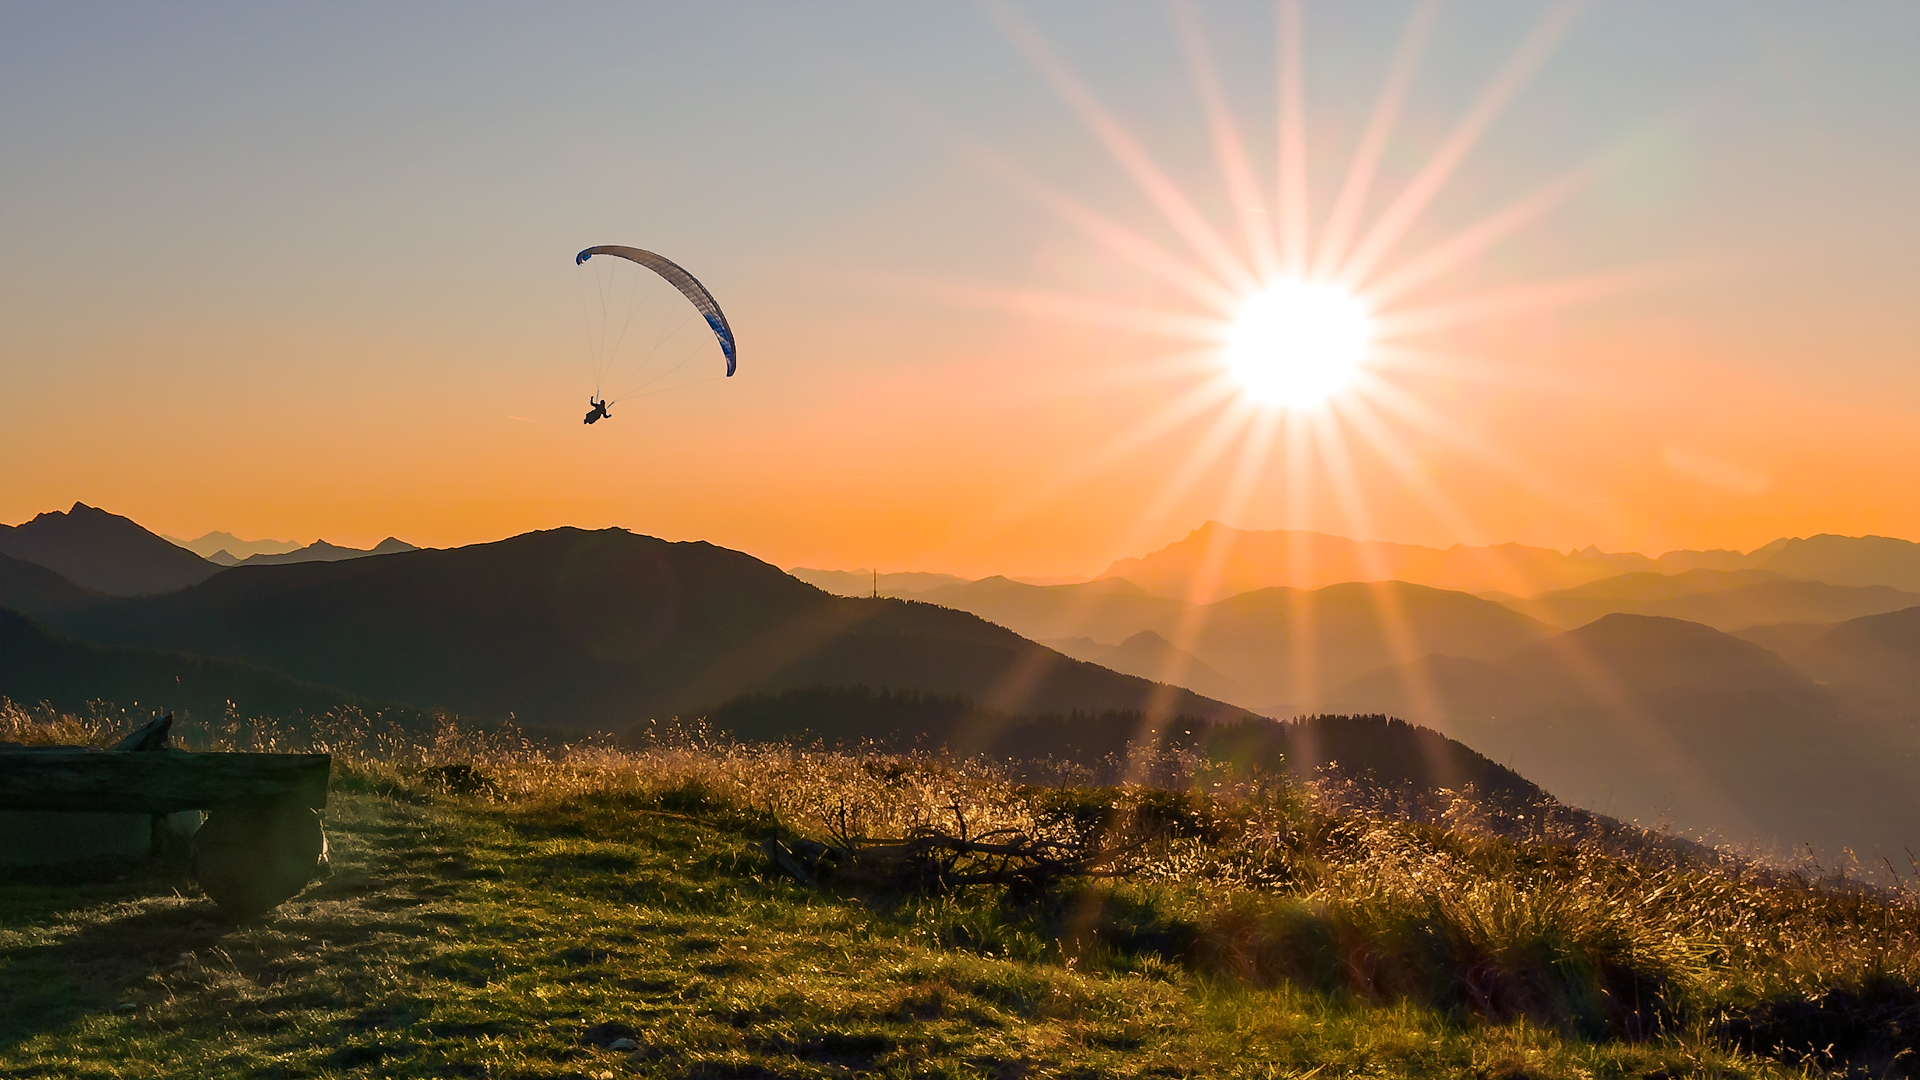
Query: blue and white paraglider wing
678,277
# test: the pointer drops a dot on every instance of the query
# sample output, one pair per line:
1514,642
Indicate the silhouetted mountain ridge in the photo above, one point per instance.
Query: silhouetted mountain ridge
1341,631
321,551
215,544
1377,749
1661,719
37,591
1243,560
1723,599
103,551
1846,560
1371,623
1654,585
1249,560
1257,639
38,667
1875,655
599,629
1151,656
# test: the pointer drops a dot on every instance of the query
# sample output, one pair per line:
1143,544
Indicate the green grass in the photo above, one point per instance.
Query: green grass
485,923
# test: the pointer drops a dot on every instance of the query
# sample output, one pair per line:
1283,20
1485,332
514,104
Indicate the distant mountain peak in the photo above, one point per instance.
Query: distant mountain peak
1242,560
1847,560
1621,622
211,545
322,551
1149,655
100,550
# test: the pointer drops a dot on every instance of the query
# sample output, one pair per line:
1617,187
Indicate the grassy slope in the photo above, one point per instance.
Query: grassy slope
456,942
467,938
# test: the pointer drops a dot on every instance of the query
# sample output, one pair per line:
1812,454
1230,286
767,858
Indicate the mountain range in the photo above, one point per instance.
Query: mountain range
1255,643
595,630
1802,728
642,610
1722,599
1665,720
1151,656
97,550
227,549
1275,645
1874,659
318,551
1249,560
216,544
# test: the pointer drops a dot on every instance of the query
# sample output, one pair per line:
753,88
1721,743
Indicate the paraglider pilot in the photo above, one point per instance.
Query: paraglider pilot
598,412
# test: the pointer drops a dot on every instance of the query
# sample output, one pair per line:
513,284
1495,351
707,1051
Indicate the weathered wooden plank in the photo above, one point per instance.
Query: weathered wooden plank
157,782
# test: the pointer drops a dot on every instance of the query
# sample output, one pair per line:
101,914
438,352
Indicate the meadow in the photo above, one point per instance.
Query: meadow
499,906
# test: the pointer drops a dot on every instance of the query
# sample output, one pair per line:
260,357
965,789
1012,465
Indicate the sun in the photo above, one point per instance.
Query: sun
1297,343
1311,333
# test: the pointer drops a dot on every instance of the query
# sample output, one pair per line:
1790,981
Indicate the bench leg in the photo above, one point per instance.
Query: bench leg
252,857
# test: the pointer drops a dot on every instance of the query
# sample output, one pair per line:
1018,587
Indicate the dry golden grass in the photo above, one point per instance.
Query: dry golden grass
1263,919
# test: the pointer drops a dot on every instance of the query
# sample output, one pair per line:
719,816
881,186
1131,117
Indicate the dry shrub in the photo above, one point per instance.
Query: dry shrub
42,725
1391,920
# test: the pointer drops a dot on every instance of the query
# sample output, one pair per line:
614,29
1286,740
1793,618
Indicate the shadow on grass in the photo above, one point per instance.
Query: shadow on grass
113,937
1868,1030
110,925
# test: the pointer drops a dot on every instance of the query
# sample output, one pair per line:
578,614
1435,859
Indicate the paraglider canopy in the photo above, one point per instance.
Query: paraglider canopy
678,277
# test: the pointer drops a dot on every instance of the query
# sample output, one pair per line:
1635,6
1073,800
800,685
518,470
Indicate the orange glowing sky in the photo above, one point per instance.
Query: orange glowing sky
1650,275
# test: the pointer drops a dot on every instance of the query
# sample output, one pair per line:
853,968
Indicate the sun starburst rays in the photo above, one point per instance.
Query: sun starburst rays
1286,353
1310,318
1173,204
1229,148
1349,303
1345,216
1292,153
1413,200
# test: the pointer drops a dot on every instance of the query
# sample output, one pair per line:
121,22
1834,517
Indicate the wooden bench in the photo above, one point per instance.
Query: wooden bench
157,782
261,841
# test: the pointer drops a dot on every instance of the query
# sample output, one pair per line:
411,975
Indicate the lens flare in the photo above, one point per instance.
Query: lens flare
1298,343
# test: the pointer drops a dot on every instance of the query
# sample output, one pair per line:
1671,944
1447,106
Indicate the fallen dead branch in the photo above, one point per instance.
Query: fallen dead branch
931,861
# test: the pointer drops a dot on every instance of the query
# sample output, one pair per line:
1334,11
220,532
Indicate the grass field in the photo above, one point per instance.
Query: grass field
495,910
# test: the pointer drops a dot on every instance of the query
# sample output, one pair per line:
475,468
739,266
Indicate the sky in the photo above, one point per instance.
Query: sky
304,271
